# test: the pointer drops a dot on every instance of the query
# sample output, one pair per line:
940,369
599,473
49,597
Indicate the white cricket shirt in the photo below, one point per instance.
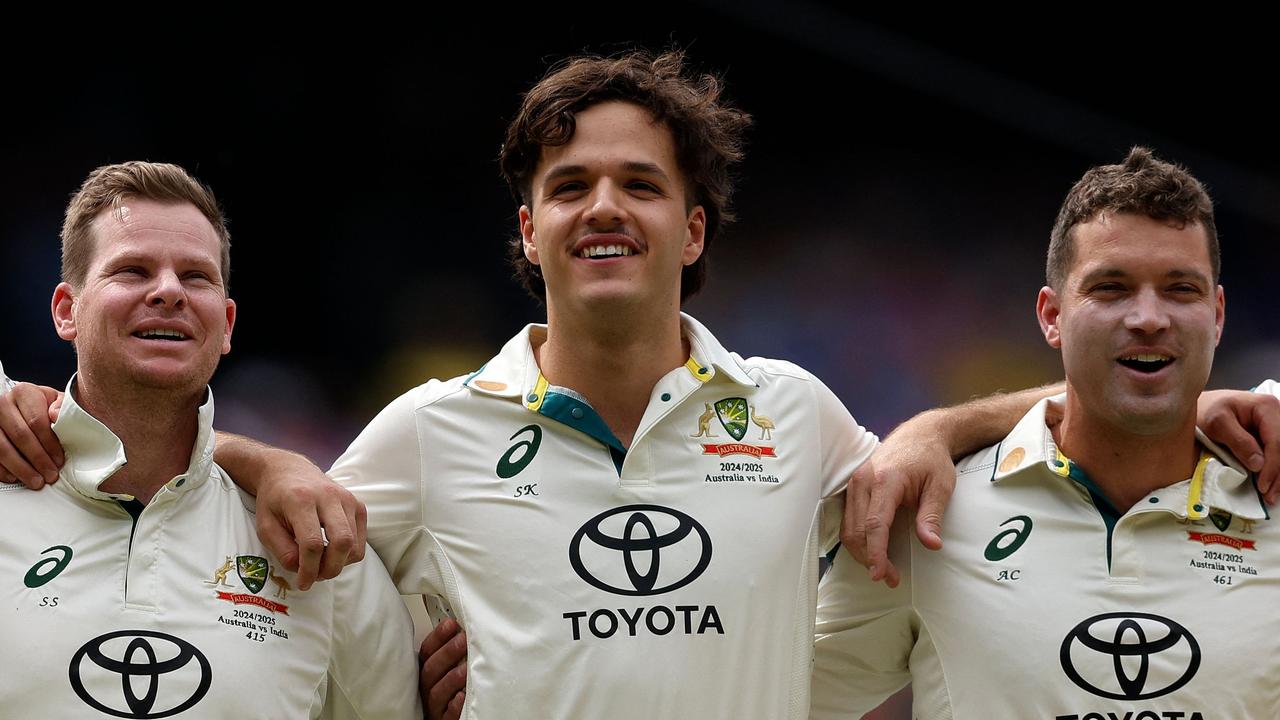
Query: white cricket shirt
673,579
1045,603
181,611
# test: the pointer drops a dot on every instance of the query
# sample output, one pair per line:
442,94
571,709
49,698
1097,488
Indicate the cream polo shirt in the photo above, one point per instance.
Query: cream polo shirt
672,579
1047,603
176,609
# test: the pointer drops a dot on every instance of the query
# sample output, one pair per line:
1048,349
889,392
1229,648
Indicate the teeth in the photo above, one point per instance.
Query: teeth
1147,357
163,334
605,251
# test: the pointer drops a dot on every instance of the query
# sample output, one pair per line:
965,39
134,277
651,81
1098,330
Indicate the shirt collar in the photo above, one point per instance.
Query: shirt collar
514,372
94,453
1220,483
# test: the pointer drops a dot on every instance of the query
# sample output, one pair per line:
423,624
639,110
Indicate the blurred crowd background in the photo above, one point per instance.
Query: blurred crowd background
901,179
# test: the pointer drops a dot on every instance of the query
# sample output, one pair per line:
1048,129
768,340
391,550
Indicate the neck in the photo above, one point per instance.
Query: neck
157,428
613,360
1125,465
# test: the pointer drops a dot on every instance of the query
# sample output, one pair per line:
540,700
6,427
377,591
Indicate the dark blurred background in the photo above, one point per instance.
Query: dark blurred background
901,180
902,177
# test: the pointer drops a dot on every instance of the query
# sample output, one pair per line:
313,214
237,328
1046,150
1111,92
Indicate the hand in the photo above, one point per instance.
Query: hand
1248,424
913,468
30,452
443,680
299,509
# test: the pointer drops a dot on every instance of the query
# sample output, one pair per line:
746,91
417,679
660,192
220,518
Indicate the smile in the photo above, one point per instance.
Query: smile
171,335
601,251
1146,362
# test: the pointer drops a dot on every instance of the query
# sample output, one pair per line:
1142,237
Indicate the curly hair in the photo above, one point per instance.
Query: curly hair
707,134
1143,185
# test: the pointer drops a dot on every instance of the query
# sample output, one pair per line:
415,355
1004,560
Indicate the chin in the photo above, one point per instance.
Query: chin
1153,415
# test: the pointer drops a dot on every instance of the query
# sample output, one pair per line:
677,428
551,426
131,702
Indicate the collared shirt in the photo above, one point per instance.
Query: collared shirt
674,578
1045,602
176,608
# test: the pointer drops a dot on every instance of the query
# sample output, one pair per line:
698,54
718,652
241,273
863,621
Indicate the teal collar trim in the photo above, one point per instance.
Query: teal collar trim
577,414
1110,515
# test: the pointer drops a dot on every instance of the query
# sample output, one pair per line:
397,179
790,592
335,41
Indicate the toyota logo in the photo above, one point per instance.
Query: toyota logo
640,550
128,661
1149,655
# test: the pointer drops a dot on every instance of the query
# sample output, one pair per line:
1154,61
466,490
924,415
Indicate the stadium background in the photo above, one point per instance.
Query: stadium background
901,179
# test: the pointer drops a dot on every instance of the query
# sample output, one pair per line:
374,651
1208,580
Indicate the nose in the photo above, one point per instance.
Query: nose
1147,313
166,290
606,206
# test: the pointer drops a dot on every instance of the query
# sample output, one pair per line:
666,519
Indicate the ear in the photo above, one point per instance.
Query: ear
1220,314
231,323
63,308
526,232
695,235
1049,314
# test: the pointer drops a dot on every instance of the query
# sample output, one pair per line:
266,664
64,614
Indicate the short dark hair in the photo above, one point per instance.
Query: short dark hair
110,186
1143,185
707,133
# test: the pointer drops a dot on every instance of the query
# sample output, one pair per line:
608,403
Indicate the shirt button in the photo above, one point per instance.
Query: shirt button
1153,500
576,413
181,482
667,396
702,371
533,397
1198,507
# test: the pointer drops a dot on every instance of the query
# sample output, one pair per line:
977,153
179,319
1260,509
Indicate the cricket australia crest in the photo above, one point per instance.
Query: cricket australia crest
733,416
252,571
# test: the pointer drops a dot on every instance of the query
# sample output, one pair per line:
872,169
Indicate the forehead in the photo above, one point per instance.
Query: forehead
612,134
1128,242
148,227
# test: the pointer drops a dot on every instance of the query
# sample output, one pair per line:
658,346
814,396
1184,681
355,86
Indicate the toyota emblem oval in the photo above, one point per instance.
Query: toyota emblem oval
640,550
1130,655
128,668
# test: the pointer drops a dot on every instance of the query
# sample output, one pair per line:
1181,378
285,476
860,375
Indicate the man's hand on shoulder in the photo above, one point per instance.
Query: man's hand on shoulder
911,467
1247,424
443,677
312,524
30,452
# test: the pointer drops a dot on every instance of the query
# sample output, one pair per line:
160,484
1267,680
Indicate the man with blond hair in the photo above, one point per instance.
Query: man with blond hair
138,587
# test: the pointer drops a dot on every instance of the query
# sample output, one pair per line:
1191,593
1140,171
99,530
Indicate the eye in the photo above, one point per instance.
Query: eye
644,186
568,188
1107,288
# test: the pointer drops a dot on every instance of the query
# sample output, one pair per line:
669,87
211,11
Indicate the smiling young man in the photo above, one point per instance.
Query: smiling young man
1104,559
137,587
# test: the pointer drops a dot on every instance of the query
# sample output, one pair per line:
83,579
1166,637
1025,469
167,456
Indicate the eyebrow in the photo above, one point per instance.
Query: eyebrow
1175,274
631,166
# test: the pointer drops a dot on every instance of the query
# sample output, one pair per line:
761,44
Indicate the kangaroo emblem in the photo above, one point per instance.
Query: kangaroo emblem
704,422
282,586
220,575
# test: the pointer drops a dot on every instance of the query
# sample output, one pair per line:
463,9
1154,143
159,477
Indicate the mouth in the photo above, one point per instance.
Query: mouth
165,335
600,252
1146,362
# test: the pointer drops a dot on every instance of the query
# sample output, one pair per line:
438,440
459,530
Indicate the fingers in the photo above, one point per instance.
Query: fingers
853,527
933,503
16,468
344,519
279,539
887,493
31,451
1267,421
454,711
1226,429
444,670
